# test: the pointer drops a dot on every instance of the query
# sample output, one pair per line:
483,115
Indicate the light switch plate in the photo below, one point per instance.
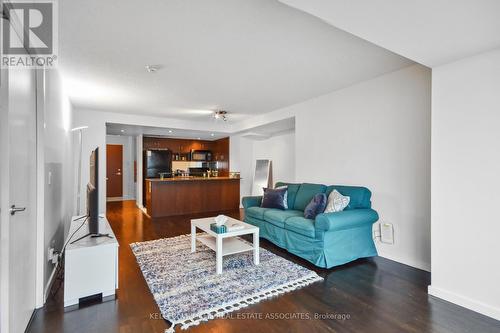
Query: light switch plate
386,233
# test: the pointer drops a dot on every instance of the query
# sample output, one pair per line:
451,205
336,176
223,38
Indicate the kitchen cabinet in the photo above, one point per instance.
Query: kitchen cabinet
191,195
182,147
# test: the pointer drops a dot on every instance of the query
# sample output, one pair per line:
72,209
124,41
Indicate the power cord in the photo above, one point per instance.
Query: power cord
59,276
74,232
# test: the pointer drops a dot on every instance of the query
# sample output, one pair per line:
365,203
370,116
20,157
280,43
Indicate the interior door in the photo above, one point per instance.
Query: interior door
18,174
114,171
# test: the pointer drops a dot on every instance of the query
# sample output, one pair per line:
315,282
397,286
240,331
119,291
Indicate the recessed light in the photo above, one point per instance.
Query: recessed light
199,138
123,131
220,114
152,68
169,131
212,134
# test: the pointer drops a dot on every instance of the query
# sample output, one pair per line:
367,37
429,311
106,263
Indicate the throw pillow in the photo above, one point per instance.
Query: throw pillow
285,199
336,202
274,198
316,206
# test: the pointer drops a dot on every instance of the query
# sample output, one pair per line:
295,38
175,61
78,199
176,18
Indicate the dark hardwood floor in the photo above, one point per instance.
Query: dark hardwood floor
368,295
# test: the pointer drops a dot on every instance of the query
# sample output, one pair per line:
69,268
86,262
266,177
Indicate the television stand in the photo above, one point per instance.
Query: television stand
91,235
91,265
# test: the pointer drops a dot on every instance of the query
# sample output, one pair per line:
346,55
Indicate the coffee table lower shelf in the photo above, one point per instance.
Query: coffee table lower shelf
229,246
227,243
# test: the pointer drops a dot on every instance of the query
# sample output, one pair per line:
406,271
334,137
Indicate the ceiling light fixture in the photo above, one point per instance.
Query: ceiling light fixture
212,134
152,68
169,131
79,128
220,114
123,131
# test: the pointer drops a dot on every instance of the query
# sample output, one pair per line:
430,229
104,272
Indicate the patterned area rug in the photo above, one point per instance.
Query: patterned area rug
188,291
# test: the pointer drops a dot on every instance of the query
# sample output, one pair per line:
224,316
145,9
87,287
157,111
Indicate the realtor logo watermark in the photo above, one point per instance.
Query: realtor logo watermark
29,34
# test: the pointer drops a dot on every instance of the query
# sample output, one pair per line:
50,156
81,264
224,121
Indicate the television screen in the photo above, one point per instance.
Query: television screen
93,167
93,193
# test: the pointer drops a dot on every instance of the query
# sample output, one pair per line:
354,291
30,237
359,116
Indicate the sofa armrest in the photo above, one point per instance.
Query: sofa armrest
346,219
254,201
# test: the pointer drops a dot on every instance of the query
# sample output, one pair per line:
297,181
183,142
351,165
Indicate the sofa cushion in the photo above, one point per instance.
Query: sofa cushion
305,193
274,198
316,206
291,194
256,212
301,226
336,202
278,217
359,196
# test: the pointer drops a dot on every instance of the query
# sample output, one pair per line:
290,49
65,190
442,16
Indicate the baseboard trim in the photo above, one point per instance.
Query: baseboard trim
420,265
465,302
141,207
49,283
114,199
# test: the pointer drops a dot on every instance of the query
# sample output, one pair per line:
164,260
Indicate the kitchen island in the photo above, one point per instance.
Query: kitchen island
191,195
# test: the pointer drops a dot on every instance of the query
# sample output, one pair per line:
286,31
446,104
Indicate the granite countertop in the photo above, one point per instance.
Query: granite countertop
184,179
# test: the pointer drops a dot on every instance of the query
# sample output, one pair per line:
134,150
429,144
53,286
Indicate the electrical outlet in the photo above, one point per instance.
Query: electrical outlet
50,254
55,257
386,233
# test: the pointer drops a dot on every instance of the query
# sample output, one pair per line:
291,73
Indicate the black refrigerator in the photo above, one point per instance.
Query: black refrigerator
155,162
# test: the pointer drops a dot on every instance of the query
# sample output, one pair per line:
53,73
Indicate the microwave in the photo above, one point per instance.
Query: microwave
201,155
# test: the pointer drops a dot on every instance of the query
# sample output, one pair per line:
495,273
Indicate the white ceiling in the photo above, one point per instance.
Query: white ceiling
431,32
268,130
134,130
246,56
258,132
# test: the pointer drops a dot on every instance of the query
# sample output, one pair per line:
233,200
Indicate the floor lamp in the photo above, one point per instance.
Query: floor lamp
79,188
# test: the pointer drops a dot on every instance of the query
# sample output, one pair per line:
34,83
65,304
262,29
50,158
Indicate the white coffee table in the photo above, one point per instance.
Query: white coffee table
226,243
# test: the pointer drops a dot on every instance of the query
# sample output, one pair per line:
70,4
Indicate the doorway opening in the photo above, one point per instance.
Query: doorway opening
121,170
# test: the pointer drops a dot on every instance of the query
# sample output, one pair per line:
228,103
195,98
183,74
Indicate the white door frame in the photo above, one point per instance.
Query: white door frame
4,203
40,294
4,194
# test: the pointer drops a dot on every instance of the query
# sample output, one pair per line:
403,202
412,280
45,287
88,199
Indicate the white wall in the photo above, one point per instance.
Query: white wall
138,158
129,156
280,149
241,159
466,182
55,166
375,134
94,136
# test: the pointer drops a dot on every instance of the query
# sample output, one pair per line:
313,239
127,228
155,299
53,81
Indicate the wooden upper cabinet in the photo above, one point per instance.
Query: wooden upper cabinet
185,146
194,145
221,154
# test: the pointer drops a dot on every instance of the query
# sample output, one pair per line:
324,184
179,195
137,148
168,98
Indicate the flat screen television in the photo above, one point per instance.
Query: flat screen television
93,193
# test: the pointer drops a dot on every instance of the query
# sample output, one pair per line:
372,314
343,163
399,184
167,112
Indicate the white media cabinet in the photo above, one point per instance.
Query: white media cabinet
90,264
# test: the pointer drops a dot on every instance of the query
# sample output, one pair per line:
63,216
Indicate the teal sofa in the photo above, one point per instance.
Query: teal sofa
331,239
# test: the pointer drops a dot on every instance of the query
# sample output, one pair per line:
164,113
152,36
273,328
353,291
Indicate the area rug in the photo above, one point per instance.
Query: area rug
188,291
